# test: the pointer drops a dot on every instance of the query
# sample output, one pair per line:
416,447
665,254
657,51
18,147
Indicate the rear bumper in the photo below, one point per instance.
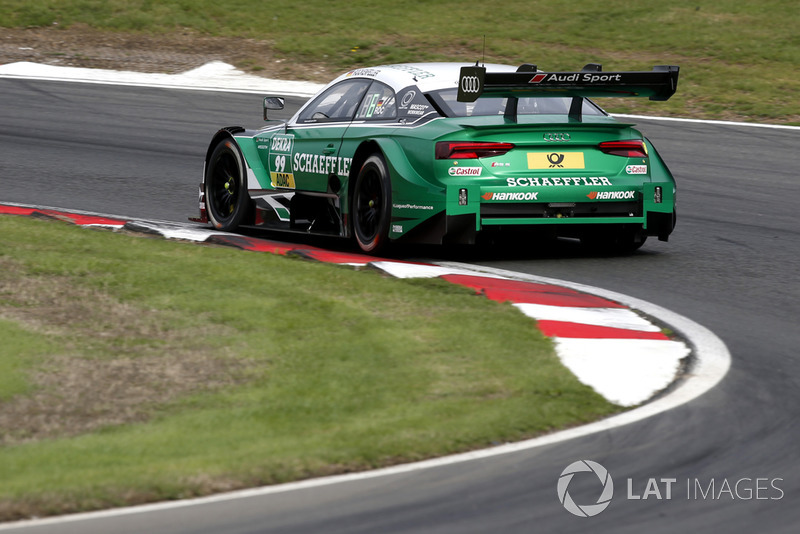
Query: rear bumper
650,206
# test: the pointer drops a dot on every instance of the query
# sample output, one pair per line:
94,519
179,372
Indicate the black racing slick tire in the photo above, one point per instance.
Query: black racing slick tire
372,205
228,203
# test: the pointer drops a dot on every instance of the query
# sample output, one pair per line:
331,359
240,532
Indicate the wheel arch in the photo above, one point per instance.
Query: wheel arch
364,150
228,132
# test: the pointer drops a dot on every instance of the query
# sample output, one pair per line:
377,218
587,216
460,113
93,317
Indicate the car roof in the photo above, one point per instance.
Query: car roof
426,76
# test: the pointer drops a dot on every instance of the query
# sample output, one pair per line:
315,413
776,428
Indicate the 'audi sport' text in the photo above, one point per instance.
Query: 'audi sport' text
585,77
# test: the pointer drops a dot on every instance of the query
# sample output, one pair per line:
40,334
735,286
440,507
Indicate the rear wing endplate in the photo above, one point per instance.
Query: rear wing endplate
527,81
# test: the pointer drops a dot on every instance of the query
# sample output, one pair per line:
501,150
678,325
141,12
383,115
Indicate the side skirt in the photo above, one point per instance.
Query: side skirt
310,213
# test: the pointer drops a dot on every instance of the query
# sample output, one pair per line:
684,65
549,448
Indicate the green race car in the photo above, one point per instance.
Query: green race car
442,152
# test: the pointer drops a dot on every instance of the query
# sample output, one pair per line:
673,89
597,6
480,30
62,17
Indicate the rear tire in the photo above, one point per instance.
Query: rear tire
228,203
372,205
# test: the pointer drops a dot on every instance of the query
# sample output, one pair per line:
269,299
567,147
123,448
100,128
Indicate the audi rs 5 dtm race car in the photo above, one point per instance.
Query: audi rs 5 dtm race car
439,152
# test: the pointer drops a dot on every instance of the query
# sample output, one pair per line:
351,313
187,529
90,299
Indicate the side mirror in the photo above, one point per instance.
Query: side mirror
273,103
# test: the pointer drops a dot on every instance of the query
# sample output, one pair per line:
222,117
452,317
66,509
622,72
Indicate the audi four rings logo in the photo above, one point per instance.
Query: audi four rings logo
551,137
470,84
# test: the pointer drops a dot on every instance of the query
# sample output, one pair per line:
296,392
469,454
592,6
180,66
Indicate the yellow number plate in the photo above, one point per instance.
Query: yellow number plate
555,160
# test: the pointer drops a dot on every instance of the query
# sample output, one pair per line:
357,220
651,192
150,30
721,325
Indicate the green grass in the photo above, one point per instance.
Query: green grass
19,351
298,369
738,57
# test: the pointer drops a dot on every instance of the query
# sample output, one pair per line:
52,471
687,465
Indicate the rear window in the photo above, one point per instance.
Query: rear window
484,106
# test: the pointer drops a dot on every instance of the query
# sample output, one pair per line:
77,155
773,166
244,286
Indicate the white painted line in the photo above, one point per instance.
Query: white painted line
627,372
611,317
416,270
177,231
706,121
107,225
214,76
83,212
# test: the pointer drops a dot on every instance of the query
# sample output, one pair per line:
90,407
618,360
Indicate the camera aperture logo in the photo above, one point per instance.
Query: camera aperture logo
589,473
585,510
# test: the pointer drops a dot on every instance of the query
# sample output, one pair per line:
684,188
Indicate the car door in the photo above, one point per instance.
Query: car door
306,155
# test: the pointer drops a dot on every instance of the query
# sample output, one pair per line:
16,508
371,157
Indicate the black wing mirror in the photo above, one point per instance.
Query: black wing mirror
273,103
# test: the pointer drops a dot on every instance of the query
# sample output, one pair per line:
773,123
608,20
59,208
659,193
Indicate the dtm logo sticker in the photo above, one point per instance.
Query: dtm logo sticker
612,195
510,196
407,98
555,160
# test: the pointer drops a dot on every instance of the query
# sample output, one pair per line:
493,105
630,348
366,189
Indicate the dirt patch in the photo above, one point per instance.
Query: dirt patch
76,395
136,365
81,46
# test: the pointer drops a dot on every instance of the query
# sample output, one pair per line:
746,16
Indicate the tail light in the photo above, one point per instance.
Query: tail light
470,149
633,148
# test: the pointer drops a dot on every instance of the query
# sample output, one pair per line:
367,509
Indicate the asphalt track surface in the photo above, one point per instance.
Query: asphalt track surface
731,265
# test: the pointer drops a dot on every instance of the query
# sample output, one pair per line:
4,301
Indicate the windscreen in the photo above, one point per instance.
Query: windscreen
484,106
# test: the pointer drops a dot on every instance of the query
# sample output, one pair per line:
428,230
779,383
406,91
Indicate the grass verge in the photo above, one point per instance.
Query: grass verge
738,58
138,369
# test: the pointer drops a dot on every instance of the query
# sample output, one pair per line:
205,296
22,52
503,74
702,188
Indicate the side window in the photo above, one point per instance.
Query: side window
337,104
378,104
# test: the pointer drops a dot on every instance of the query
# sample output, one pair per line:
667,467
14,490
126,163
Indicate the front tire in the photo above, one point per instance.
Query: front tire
372,205
227,200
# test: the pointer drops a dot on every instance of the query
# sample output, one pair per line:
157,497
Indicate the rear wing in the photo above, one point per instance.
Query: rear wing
527,81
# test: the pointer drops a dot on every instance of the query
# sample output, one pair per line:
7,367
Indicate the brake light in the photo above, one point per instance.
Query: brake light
470,149
633,148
